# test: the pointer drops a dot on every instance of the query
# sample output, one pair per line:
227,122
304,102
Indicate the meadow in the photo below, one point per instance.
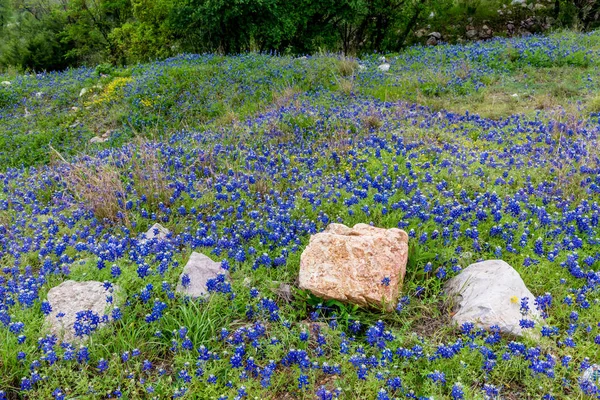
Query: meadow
478,151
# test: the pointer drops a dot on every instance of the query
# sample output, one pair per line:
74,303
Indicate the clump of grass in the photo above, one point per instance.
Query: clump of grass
99,188
283,97
347,66
594,104
372,122
346,86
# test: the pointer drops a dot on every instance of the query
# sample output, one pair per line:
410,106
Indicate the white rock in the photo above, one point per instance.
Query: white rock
385,66
71,297
83,92
199,269
5,83
157,231
489,293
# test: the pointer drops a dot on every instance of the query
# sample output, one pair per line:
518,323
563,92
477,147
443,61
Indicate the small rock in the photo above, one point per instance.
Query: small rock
384,67
199,269
434,38
421,32
157,231
363,265
471,34
82,92
5,83
74,109
98,139
485,32
71,297
107,134
489,293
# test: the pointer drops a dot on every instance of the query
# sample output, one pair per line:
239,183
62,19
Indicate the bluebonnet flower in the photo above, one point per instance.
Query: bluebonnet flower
457,392
437,377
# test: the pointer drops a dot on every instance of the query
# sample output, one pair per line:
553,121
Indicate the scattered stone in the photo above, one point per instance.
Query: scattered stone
71,297
156,231
199,269
485,32
471,34
363,265
98,139
385,66
82,92
434,38
5,83
489,293
421,32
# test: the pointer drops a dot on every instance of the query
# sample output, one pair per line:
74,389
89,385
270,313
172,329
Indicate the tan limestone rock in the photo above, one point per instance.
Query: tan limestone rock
352,264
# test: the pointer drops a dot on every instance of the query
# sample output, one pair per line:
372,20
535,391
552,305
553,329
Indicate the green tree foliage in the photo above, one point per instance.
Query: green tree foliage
55,34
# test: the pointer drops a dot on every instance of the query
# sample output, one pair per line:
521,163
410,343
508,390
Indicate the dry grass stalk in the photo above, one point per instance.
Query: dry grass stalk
347,66
283,97
149,179
100,188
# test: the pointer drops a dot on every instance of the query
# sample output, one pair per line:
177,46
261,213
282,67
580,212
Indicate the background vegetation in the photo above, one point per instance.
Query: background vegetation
56,34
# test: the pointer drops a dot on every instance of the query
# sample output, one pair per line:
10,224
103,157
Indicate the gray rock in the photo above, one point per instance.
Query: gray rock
156,231
471,34
70,297
436,35
199,269
489,293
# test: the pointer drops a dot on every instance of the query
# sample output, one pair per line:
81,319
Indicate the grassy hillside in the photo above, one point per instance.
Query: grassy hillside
482,151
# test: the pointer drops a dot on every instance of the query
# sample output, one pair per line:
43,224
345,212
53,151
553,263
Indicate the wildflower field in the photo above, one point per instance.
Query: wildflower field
480,151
